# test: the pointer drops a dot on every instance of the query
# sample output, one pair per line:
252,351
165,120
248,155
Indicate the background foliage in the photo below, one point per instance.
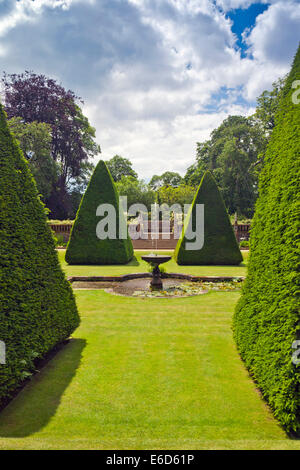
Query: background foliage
120,167
35,142
235,153
37,98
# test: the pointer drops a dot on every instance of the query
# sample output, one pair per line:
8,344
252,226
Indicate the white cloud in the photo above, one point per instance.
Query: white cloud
273,43
227,5
149,70
10,21
276,33
28,10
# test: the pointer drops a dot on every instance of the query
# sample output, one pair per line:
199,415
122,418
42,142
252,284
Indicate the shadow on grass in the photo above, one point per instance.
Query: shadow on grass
133,262
37,403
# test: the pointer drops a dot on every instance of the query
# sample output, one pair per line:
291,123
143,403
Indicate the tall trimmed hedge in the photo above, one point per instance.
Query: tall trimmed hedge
266,321
37,307
84,246
220,245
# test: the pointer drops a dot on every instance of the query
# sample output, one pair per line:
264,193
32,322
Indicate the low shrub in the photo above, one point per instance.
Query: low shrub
60,222
59,240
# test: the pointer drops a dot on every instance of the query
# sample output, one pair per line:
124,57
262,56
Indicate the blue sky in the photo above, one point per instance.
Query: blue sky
244,19
156,76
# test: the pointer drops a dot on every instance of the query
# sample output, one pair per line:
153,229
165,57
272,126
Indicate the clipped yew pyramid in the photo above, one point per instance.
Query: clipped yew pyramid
85,247
220,245
37,307
267,318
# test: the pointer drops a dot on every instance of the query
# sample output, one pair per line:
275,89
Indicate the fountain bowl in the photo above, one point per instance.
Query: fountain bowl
155,261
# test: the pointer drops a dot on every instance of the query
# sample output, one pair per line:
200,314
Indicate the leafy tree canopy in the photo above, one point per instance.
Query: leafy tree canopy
137,191
169,178
235,153
79,186
35,141
37,98
119,167
230,154
268,104
182,194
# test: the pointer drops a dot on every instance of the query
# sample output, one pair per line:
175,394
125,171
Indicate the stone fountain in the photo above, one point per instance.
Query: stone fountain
155,261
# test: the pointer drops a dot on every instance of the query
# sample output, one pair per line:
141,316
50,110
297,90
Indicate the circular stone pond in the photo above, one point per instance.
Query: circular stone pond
141,287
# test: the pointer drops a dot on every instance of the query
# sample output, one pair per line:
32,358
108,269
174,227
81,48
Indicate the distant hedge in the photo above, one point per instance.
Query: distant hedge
267,320
60,222
84,247
37,307
244,243
220,245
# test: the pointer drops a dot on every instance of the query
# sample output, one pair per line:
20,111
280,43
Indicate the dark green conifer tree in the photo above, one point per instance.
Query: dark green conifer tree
37,306
220,246
267,320
85,246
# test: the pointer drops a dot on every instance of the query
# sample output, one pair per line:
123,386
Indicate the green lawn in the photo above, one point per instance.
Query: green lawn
145,374
138,265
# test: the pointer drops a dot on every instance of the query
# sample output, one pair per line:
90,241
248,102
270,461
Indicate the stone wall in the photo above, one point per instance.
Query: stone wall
242,232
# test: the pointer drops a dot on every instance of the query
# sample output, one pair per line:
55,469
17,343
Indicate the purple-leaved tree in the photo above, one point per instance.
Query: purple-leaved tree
38,98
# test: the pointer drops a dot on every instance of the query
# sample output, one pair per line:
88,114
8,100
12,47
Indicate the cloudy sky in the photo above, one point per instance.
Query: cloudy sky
156,76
